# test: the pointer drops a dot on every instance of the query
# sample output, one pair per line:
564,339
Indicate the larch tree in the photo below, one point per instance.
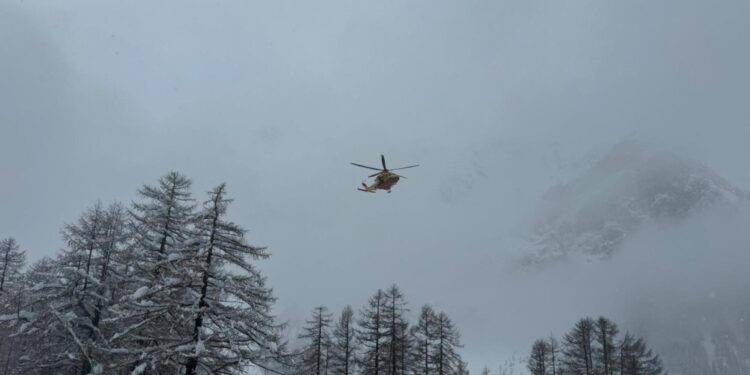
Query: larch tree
157,328
637,359
445,356
371,336
396,332
538,358
425,337
12,260
577,348
463,368
231,321
605,354
554,350
315,354
344,344
69,305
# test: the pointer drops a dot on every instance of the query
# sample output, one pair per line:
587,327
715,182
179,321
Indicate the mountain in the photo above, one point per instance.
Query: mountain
592,214
672,236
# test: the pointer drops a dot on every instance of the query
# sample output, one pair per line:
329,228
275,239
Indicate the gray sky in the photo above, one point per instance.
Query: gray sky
496,100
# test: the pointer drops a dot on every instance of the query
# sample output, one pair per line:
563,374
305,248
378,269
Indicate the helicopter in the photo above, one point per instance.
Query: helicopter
384,179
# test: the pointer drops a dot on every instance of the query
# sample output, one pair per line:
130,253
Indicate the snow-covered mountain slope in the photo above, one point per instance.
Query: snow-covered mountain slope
669,239
593,214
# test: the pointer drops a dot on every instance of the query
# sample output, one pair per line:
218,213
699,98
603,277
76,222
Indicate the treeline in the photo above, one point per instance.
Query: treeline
164,286
168,286
592,347
380,340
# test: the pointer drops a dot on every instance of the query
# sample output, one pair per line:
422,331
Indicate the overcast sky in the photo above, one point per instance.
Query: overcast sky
496,100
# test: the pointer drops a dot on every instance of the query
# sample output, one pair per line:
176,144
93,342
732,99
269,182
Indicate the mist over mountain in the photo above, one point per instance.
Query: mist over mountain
594,213
659,240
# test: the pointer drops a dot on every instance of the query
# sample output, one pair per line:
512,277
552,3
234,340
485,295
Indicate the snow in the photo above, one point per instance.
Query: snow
139,370
138,294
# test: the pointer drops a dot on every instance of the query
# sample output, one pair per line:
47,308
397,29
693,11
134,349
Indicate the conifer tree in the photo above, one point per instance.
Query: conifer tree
344,344
605,354
69,304
12,260
315,355
446,358
540,354
371,336
463,368
425,336
156,327
577,348
554,349
395,327
231,321
637,359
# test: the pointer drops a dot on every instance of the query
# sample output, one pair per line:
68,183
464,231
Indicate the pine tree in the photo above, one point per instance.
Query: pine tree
371,336
12,260
540,354
314,355
344,344
577,348
231,321
446,357
485,371
425,336
605,355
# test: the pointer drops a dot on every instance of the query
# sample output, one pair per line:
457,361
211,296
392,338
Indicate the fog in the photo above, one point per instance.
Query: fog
498,102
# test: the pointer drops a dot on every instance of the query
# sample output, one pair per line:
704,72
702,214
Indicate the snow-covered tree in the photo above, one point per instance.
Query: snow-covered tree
12,260
232,325
446,357
155,317
371,336
68,301
315,354
344,343
463,368
425,336
397,342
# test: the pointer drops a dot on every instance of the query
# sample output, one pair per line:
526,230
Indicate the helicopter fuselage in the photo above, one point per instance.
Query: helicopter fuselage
386,180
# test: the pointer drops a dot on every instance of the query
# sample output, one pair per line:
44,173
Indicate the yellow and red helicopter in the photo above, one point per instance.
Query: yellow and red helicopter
384,179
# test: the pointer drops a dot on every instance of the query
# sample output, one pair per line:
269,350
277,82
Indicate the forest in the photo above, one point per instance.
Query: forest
165,286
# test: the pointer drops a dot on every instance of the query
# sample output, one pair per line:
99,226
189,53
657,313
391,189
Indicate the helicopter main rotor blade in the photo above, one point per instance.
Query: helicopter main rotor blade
411,166
375,174
364,166
382,159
